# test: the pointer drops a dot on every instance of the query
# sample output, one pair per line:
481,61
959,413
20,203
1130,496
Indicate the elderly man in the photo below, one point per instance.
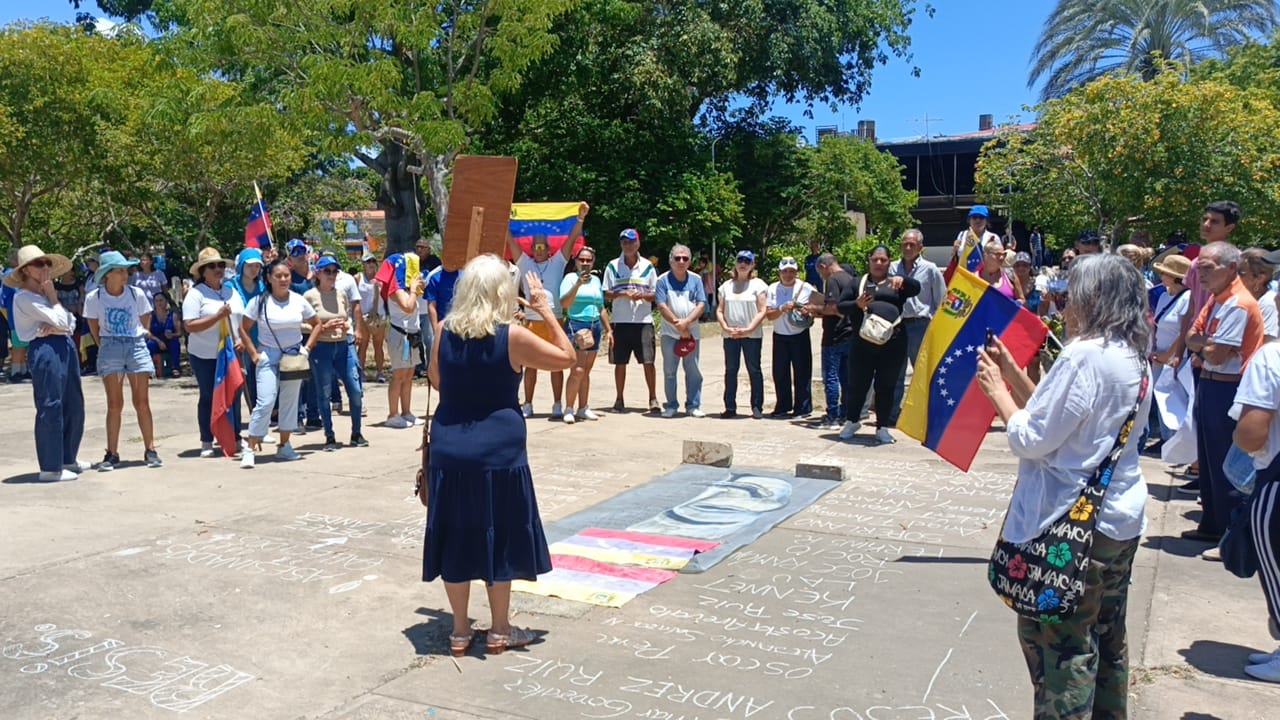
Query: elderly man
837,331
918,310
681,299
631,284
550,270
1224,336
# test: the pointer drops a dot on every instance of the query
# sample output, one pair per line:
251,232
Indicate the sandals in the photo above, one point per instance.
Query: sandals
496,644
459,644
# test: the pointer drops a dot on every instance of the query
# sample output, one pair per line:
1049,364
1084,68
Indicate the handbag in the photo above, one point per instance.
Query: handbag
875,329
1044,578
293,364
1239,554
584,339
421,483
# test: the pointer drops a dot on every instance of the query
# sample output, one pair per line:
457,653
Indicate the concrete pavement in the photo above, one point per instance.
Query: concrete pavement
292,590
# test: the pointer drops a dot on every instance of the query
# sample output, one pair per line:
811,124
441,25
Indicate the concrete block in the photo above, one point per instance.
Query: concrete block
820,472
705,452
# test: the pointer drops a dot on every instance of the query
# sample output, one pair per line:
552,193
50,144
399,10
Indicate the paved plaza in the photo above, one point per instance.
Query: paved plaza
292,590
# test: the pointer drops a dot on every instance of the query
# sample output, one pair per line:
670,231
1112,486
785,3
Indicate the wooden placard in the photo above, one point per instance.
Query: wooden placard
483,183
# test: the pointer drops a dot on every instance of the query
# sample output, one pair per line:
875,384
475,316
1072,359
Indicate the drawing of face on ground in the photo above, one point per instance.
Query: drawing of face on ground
721,509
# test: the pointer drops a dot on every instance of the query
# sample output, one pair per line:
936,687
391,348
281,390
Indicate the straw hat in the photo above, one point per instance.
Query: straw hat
29,254
206,256
1175,265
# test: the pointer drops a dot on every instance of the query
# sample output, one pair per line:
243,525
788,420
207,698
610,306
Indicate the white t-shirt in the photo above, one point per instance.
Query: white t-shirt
1270,318
204,301
118,315
1169,314
618,277
780,295
409,322
740,307
1260,387
284,319
550,272
369,302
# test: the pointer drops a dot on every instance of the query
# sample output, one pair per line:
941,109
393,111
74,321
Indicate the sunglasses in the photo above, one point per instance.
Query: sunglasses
41,263
680,258
216,266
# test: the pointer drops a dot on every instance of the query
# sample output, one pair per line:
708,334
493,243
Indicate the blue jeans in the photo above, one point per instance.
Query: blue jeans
331,361
735,351
206,372
835,379
692,375
54,364
914,330
170,351
269,386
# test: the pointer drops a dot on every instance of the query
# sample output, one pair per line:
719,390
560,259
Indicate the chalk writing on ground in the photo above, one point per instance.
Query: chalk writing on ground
169,680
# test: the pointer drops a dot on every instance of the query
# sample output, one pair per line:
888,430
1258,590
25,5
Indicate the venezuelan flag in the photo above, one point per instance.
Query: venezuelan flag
944,408
970,257
553,218
228,378
257,232
398,272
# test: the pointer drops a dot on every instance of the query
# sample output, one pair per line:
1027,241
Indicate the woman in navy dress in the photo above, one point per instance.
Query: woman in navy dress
483,521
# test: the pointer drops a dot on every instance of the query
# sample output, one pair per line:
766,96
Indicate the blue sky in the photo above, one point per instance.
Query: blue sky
971,62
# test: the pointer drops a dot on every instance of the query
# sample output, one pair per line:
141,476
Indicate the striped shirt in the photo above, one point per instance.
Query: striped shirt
620,277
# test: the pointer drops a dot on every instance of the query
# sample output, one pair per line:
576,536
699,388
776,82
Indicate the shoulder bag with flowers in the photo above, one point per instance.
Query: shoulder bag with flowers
1044,579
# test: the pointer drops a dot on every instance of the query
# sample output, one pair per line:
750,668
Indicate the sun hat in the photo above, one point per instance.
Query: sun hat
326,261
788,263
29,254
684,346
979,211
628,235
111,260
1175,265
746,255
206,256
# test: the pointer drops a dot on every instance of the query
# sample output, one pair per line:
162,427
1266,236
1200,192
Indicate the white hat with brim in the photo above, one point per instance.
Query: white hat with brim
206,256
29,254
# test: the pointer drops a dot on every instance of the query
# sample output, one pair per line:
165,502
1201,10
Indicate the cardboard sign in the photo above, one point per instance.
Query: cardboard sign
479,208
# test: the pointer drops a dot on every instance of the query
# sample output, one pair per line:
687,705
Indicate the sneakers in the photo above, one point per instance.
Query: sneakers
411,419
556,410
206,450
1269,671
728,414
586,414
655,406
269,440
669,413
152,458
883,437
396,422
569,419
247,459
331,443
381,378
357,440
1190,488
316,424
850,427
78,466
286,452
1263,658
697,413
109,462
527,410
57,475
1213,554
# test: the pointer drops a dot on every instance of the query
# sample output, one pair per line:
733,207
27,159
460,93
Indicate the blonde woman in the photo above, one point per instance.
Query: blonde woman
483,521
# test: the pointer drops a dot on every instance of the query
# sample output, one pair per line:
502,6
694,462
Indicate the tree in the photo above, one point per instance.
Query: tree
413,81
770,167
1119,153
1085,39
848,173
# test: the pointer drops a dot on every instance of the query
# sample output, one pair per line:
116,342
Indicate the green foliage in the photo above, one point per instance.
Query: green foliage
1120,153
849,174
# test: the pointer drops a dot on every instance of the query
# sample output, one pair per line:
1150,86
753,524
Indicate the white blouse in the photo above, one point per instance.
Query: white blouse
31,310
1065,431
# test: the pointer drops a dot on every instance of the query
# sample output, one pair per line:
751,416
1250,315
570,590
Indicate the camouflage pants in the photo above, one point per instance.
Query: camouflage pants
1080,666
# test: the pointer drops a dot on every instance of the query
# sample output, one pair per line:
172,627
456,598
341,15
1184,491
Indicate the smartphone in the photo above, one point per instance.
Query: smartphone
991,339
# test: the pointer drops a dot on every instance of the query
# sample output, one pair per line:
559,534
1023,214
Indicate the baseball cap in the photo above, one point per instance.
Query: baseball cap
328,253
1272,258
296,247
369,257
788,263
1022,257
746,256
1089,237
979,211
326,262
684,346
629,235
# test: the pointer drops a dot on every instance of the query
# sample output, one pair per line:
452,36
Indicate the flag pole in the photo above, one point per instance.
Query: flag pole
263,210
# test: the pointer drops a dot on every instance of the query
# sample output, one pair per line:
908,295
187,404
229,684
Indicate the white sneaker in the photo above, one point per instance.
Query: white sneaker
1263,658
57,475
1212,554
669,413
569,419
269,440
206,451
1269,671
286,452
527,410
78,466
246,459
883,437
396,422
586,414
412,419
556,410
697,412
850,427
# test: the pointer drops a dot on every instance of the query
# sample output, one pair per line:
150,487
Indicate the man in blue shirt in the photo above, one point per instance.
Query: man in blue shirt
680,299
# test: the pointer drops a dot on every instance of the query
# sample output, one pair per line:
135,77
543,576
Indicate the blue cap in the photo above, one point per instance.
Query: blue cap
111,260
326,261
747,256
979,211
629,235
296,247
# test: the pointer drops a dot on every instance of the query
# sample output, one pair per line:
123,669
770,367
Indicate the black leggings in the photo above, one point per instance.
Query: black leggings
879,365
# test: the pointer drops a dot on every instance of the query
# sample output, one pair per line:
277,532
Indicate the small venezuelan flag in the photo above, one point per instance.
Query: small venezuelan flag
228,378
944,408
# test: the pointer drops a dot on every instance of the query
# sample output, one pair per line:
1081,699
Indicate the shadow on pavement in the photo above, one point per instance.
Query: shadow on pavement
1199,716
1173,545
28,478
431,637
1224,660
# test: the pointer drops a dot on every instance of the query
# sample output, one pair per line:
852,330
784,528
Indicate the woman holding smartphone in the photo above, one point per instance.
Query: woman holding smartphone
582,297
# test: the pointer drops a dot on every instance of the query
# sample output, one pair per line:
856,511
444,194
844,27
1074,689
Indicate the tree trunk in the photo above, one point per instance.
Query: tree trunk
400,197
438,169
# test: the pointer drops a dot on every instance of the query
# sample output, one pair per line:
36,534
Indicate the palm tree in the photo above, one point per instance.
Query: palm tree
1085,39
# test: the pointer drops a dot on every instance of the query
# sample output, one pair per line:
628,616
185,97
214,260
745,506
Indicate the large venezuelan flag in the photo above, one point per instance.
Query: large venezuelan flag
970,257
257,232
228,378
944,407
550,219
397,272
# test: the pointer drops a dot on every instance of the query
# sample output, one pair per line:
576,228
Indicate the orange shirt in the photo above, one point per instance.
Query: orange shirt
1234,319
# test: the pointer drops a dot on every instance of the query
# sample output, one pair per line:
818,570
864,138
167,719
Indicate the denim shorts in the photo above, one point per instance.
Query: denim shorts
594,327
124,356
